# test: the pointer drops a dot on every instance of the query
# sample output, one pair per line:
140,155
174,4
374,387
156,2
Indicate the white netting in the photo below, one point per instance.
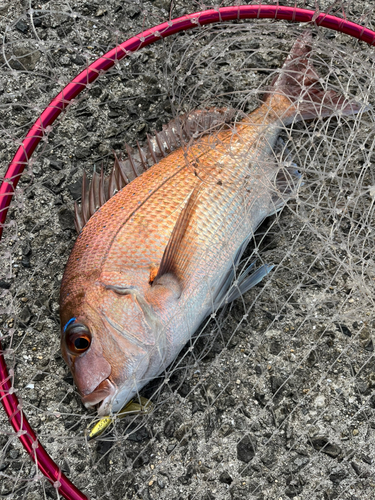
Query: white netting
275,397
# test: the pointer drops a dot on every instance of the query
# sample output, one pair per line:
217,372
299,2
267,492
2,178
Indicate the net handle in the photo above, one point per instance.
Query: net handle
42,126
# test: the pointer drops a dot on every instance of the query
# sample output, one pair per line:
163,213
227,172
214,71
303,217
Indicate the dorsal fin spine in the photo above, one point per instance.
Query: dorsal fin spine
124,178
91,195
112,183
102,197
142,157
84,199
117,173
151,149
78,222
160,144
167,141
130,158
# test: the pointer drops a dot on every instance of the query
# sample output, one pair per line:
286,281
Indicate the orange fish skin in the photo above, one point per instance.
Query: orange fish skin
225,185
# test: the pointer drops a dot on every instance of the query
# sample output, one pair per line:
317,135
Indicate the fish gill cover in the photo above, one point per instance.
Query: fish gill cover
274,396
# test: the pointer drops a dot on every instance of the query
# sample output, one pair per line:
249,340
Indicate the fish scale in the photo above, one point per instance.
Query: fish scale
131,230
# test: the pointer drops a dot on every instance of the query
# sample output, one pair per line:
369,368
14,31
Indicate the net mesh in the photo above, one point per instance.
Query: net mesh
274,396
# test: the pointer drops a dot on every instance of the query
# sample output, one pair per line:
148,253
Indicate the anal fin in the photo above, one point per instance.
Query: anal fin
244,283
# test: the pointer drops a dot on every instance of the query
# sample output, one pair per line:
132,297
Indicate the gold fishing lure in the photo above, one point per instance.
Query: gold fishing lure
144,406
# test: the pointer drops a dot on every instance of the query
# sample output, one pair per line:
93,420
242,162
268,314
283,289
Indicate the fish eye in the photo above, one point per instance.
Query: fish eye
78,338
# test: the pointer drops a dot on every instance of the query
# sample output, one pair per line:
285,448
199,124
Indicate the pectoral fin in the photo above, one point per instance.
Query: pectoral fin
182,245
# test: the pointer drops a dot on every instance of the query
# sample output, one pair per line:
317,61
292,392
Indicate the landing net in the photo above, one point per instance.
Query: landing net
273,397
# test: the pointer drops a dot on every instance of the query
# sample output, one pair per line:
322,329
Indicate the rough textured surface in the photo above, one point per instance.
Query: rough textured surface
276,398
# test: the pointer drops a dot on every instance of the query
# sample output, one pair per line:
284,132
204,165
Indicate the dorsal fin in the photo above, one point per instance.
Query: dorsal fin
178,132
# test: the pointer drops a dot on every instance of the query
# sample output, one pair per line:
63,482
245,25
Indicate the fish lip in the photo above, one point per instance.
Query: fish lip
102,395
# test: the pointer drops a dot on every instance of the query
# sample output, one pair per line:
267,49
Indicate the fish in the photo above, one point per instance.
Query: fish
161,254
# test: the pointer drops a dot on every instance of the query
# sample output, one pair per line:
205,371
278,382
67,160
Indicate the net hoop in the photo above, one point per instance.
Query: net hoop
23,155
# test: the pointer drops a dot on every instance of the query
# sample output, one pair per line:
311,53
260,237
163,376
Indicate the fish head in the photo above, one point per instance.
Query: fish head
108,342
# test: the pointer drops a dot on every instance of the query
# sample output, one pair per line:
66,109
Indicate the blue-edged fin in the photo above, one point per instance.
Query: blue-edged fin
245,282
229,291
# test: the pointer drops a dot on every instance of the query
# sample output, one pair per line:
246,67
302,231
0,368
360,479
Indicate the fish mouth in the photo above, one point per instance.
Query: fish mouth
100,397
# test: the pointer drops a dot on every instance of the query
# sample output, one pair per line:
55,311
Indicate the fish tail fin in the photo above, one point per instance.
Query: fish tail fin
296,92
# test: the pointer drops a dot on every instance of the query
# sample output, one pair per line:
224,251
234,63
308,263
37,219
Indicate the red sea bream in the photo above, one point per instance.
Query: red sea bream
159,256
